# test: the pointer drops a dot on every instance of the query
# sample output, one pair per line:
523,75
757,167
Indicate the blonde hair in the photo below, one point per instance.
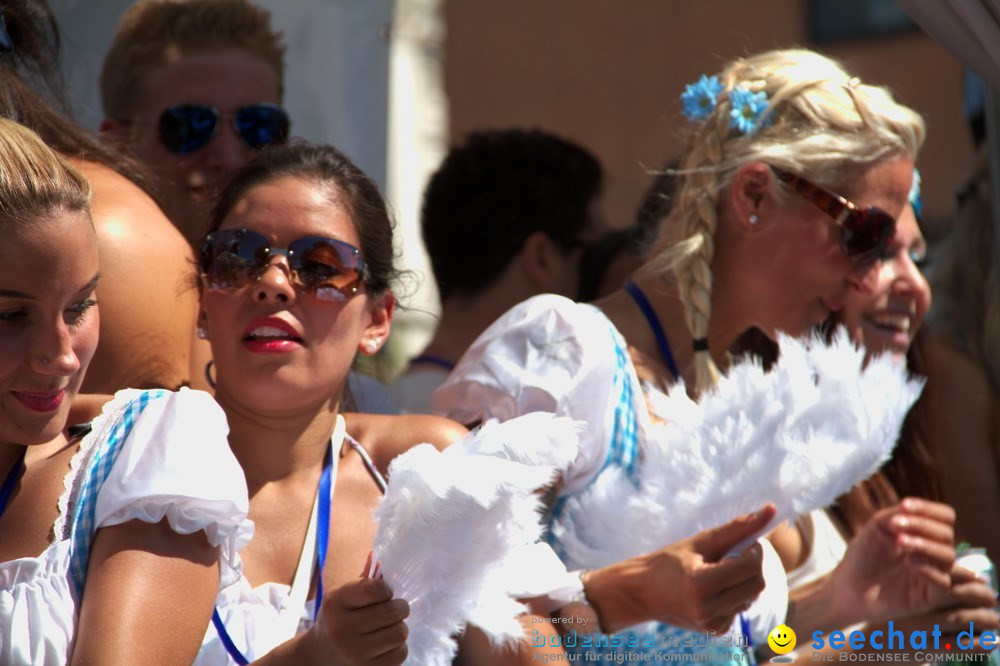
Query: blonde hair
820,122
35,181
153,33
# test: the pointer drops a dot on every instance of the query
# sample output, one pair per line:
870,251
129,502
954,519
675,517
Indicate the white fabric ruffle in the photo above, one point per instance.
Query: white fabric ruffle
195,483
548,354
174,464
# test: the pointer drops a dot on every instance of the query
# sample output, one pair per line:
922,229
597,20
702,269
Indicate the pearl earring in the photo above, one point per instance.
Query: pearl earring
752,219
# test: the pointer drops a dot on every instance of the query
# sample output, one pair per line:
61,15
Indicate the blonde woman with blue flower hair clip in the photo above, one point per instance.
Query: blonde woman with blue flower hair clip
789,188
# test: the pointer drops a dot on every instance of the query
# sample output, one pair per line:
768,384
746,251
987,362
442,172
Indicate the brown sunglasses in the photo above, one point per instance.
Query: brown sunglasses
865,233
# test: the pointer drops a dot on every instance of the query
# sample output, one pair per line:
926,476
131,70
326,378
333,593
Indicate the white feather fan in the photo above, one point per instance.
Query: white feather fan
800,436
458,531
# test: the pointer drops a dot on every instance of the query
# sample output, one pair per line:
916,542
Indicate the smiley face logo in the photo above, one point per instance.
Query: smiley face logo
781,639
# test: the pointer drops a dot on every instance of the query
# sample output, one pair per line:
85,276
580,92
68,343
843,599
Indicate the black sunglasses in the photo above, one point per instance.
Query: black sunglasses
865,233
327,268
186,128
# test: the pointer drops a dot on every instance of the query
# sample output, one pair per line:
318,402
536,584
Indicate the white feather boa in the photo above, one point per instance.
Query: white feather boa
799,436
458,531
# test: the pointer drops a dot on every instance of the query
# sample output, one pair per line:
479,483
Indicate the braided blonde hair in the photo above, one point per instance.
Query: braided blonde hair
820,122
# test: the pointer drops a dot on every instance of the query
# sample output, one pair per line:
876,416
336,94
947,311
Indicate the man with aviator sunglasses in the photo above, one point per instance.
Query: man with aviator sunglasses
194,90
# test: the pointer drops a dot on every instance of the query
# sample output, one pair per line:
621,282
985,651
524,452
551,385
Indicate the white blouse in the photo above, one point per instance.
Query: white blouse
548,354
258,619
174,463
552,354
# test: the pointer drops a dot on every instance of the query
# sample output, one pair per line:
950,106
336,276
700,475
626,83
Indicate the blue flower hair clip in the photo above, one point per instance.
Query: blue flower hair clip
746,109
915,199
699,98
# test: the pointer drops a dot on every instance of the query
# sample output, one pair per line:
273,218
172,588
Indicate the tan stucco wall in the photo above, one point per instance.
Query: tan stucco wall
608,73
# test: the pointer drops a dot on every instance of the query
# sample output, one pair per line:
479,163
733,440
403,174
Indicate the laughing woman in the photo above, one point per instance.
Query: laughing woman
887,319
115,542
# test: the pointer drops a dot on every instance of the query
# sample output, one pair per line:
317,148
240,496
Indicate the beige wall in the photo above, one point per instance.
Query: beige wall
607,73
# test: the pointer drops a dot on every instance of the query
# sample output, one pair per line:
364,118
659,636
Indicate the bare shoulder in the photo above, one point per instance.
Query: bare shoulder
124,212
386,436
147,294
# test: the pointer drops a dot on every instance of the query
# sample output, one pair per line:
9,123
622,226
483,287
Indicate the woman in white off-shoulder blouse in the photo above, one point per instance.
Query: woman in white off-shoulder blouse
793,178
115,540
295,278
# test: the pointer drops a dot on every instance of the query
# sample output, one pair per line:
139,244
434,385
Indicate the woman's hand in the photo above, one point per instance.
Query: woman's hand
690,584
899,564
360,623
969,600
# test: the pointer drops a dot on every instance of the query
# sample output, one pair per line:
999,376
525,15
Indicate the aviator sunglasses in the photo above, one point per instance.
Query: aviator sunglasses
187,128
329,269
865,233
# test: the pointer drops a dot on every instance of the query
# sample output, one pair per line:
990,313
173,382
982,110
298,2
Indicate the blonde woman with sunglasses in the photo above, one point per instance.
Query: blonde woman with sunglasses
792,180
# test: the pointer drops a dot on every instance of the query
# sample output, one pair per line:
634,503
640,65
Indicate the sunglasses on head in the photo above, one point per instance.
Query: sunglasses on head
186,128
329,269
865,233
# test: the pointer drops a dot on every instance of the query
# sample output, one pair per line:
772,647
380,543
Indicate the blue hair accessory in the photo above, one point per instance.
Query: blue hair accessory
700,97
915,199
746,109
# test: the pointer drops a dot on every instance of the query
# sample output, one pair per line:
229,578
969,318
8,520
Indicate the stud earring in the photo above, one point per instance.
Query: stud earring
752,219
202,333
372,345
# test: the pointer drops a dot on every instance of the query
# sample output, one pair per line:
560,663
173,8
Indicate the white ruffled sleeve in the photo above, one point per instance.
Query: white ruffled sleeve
176,465
547,354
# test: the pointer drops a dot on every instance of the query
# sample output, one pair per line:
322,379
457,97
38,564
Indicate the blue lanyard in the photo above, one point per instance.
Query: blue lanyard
654,323
322,534
12,477
745,630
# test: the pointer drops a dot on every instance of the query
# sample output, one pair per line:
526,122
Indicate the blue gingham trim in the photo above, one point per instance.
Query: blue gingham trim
653,639
623,451
624,438
100,465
